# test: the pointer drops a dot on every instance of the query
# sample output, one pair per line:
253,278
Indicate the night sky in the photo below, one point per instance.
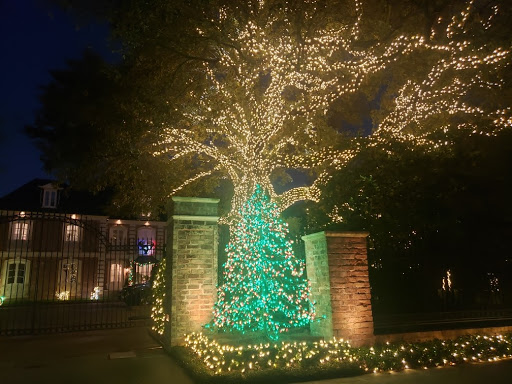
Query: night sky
34,39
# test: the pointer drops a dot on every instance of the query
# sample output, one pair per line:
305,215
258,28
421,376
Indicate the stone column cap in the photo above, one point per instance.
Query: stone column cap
336,234
195,199
195,218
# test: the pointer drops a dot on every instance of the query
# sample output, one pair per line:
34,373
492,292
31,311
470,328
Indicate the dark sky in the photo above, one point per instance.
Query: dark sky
33,40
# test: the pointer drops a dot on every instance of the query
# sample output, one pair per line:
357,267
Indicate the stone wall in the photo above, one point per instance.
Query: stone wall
193,265
318,274
337,267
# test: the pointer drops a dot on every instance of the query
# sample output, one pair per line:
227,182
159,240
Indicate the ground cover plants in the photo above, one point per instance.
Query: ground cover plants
211,361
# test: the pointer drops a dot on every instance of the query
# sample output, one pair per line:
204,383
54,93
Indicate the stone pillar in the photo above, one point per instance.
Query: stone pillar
337,267
193,264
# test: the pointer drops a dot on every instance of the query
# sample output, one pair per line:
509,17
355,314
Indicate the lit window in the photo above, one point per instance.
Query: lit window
20,230
72,232
143,273
146,241
49,198
116,273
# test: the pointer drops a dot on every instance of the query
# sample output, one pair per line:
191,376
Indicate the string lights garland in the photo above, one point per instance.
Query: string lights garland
158,312
271,88
130,278
264,288
222,359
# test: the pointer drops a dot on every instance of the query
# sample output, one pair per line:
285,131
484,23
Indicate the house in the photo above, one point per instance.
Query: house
58,244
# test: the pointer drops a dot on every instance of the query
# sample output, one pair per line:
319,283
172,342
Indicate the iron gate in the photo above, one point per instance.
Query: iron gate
61,272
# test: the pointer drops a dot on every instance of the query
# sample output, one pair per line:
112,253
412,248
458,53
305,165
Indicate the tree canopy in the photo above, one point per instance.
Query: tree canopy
240,93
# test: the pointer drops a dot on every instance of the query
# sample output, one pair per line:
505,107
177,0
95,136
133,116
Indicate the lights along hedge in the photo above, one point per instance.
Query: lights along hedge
339,354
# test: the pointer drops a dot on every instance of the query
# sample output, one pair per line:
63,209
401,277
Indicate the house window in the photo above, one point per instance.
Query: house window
143,273
118,234
20,230
116,273
50,198
16,273
146,241
72,232
69,273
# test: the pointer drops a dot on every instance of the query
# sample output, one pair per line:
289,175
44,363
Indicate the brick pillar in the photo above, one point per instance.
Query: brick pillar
337,266
194,264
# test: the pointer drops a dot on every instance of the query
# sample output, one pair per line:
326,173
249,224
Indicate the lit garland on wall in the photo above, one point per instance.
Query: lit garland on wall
222,359
446,284
131,270
130,273
248,130
264,287
158,313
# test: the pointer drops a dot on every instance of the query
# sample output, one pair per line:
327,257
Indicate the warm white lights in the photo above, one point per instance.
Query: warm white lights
64,295
95,294
269,93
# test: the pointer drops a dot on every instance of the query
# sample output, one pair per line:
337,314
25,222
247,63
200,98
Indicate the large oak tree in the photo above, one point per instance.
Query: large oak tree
247,91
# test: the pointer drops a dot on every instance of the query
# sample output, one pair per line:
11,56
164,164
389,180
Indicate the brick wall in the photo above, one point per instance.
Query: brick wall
337,267
194,265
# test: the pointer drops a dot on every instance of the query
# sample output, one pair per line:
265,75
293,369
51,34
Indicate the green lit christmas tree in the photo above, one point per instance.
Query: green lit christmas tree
264,288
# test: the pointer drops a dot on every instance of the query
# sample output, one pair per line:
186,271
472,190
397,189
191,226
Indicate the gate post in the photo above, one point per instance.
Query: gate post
337,267
193,264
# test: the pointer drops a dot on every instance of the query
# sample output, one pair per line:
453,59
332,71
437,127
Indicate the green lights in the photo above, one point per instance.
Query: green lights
264,288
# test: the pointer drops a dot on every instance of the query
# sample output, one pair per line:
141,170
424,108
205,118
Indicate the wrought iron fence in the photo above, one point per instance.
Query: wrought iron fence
61,272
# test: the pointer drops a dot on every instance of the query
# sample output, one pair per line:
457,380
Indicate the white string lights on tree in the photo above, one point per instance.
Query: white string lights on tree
270,90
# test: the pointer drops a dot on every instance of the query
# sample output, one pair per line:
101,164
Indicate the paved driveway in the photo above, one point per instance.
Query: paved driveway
121,356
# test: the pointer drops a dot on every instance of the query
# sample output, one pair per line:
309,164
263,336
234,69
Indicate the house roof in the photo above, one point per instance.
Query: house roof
29,196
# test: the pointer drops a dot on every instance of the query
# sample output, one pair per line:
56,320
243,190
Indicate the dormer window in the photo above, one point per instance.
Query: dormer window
50,196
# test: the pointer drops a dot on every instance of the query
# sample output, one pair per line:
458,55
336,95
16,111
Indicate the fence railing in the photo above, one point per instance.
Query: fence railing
66,272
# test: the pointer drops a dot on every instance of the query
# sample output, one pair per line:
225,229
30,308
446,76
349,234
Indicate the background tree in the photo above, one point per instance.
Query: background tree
428,212
85,134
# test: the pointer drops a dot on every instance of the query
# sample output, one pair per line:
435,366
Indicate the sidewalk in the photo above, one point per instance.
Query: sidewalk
122,356
481,373
130,355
